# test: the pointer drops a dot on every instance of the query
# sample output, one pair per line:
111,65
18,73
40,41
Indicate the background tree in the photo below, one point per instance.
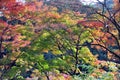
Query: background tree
12,38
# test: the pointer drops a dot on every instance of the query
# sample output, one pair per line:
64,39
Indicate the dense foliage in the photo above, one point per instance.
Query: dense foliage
40,42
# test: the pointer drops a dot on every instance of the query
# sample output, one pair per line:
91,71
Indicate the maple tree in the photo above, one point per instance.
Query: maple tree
50,36
111,23
105,28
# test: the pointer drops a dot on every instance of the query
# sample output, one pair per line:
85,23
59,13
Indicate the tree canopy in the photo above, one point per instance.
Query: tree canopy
57,39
